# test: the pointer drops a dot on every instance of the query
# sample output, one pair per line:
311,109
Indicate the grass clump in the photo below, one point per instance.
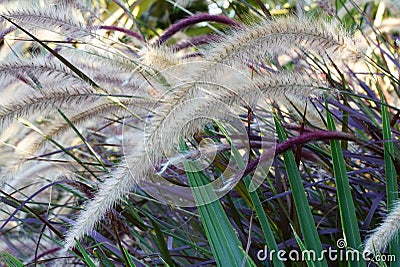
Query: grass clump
216,134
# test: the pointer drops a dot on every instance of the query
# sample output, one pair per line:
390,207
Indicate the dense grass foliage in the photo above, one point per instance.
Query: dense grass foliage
199,133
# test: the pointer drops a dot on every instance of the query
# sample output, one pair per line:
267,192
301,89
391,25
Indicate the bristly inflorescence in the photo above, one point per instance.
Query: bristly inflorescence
276,37
62,19
132,76
381,236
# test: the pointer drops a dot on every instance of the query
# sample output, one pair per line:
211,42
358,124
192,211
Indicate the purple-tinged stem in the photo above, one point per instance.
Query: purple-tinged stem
186,22
119,29
47,252
375,203
41,218
27,200
295,141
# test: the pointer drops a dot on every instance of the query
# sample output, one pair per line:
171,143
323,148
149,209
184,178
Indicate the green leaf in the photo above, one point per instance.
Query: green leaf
255,200
10,260
86,258
97,157
265,226
302,247
306,220
129,258
391,176
224,243
345,200
104,261
166,256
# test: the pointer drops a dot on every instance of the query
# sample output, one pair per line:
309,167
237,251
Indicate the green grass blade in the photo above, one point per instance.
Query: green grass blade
130,262
86,258
302,247
10,260
166,256
97,157
103,260
224,243
345,200
391,176
223,240
265,226
255,200
306,220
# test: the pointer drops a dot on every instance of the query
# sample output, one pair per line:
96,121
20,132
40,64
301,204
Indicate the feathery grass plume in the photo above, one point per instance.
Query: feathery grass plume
45,101
45,69
159,57
116,185
136,105
249,43
156,59
141,158
381,236
276,37
110,192
58,18
254,41
165,96
96,57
